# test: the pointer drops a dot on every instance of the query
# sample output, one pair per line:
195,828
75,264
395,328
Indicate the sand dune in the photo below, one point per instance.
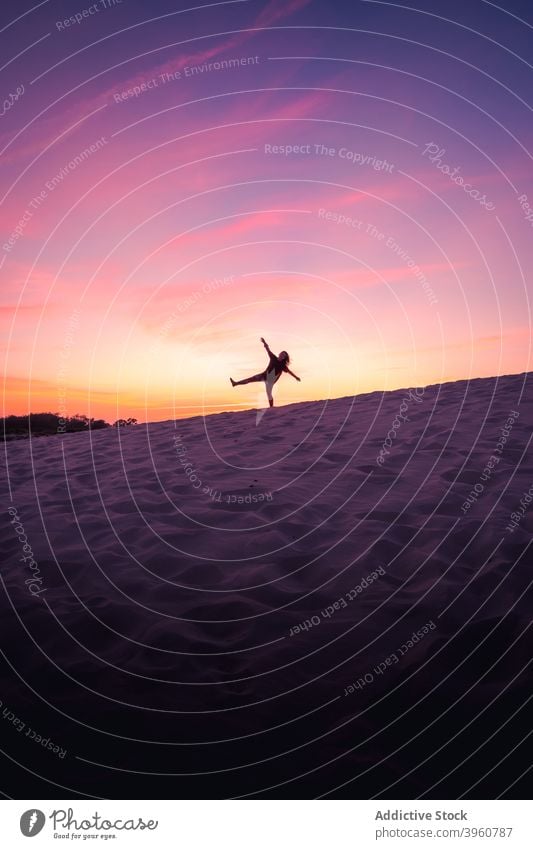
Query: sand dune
233,576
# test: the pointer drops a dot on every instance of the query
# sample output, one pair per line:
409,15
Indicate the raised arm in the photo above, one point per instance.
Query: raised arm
266,346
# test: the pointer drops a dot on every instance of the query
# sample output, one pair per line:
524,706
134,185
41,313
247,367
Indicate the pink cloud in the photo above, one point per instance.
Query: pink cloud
51,127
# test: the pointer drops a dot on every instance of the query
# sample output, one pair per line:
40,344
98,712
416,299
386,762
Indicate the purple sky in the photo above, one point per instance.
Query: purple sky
350,180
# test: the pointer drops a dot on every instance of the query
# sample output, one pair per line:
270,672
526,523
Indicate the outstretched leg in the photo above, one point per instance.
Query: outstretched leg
256,378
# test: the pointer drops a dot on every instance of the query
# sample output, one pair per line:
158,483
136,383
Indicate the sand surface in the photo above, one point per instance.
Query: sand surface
224,606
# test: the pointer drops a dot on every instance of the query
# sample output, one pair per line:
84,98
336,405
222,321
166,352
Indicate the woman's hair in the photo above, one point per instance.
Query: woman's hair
287,358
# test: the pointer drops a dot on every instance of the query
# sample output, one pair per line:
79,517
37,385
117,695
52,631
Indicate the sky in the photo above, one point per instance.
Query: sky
350,180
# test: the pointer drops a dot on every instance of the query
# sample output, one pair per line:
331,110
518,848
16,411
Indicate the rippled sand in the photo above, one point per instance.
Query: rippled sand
226,605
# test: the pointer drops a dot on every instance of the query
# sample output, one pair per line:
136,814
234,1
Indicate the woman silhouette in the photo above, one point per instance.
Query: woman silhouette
271,374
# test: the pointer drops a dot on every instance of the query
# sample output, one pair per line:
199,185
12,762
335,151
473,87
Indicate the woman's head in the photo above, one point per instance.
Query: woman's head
283,355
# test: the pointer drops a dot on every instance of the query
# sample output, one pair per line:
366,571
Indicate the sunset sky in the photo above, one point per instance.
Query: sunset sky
173,184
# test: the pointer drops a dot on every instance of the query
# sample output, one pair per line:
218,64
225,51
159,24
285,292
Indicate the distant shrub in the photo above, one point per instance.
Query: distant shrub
46,424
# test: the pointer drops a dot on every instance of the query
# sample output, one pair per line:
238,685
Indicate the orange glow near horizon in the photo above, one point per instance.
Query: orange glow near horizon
150,241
